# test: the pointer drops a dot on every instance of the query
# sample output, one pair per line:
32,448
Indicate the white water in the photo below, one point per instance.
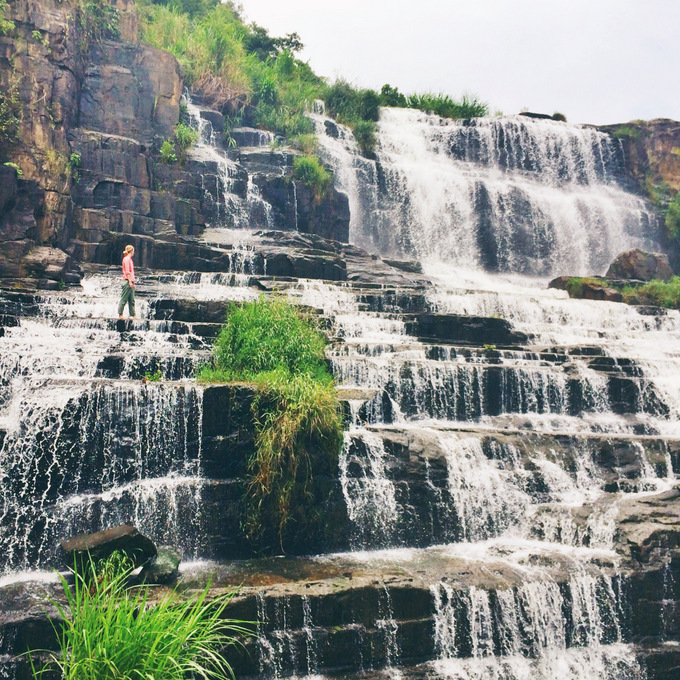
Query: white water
509,194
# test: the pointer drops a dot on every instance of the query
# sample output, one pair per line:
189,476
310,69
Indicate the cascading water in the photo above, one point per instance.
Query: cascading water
507,194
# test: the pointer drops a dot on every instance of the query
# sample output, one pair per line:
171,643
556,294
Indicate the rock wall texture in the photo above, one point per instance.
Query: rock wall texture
92,118
652,150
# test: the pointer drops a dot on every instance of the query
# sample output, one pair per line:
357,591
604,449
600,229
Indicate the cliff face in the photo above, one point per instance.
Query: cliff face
93,113
652,151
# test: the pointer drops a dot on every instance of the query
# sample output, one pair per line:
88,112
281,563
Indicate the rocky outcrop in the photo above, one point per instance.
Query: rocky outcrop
651,150
98,546
640,265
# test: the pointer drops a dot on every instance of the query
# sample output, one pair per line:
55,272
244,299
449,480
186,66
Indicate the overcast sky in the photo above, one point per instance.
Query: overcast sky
596,61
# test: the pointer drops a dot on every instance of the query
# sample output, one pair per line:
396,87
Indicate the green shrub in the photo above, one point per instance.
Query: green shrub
5,24
308,144
185,138
168,152
309,170
10,111
74,163
559,116
390,96
114,632
626,132
658,293
297,418
156,376
365,133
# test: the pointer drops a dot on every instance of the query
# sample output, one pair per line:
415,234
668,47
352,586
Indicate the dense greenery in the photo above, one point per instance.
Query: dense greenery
5,24
185,138
256,79
111,631
10,112
673,218
271,343
658,293
309,170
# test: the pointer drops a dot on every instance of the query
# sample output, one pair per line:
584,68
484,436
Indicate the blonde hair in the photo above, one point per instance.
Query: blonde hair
128,249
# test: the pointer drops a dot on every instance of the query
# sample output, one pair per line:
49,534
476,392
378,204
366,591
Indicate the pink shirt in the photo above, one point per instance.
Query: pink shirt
128,269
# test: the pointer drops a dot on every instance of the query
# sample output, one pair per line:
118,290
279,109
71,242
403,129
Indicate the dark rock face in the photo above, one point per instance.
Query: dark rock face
102,543
456,328
131,91
637,264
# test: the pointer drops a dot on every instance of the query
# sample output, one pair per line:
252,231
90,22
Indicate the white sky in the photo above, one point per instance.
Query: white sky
596,61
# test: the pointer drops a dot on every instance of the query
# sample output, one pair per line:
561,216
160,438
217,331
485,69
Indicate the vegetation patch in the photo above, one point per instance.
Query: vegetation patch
308,169
10,112
185,138
5,24
626,132
112,631
274,345
97,19
258,80
657,293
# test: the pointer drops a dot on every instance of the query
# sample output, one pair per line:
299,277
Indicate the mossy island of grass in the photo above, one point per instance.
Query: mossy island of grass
274,345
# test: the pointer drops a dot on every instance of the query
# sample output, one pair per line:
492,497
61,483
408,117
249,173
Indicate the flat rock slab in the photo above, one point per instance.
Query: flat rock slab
101,544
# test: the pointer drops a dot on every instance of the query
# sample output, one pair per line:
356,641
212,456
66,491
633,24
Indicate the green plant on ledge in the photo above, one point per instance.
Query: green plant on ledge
185,138
5,25
168,155
308,169
270,343
112,631
156,376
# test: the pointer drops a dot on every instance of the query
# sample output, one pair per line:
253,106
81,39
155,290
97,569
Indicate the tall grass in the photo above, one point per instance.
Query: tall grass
271,343
114,632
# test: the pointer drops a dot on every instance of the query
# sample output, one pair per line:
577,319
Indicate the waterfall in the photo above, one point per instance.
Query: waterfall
504,194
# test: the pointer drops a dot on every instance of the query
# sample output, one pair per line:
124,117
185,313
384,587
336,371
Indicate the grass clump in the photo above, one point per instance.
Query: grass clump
168,154
111,631
185,138
626,132
308,169
657,293
271,343
468,106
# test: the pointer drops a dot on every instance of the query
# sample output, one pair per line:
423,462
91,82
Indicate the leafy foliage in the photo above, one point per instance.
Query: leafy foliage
185,138
168,152
114,632
659,293
309,170
10,111
5,24
271,343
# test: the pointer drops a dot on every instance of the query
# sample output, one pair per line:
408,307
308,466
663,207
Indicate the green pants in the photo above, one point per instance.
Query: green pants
127,298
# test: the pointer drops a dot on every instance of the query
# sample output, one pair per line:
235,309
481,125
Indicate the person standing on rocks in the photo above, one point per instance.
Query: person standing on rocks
128,295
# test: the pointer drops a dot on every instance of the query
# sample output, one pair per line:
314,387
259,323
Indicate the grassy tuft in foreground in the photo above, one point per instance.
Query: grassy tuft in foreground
114,632
271,343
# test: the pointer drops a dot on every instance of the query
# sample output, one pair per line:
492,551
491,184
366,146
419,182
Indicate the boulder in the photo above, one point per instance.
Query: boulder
598,291
101,544
163,568
638,264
